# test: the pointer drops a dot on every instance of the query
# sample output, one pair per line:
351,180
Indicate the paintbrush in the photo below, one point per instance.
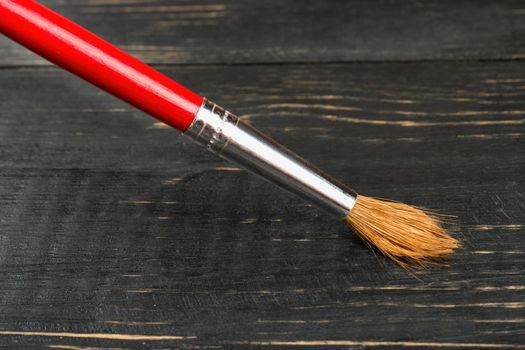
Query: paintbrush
406,234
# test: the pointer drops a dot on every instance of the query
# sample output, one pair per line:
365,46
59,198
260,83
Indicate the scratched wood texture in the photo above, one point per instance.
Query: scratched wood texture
116,232
248,31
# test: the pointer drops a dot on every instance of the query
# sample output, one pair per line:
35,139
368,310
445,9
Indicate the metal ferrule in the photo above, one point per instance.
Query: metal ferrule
226,135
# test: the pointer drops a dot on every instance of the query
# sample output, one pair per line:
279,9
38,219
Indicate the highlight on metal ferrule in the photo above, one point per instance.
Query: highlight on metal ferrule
230,137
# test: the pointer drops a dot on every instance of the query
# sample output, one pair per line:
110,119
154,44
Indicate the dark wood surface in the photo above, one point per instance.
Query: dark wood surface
116,232
253,31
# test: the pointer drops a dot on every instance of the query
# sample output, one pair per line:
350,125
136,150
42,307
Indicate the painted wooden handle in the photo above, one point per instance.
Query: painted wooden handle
81,52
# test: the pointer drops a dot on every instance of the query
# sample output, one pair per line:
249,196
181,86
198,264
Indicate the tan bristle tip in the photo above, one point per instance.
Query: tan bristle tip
407,235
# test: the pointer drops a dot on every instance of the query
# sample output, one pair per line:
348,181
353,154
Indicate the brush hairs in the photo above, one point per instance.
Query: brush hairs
407,235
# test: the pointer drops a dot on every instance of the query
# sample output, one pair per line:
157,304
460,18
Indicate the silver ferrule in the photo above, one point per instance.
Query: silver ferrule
225,134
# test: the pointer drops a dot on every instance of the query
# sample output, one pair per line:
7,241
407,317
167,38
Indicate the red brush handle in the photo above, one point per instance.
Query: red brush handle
83,53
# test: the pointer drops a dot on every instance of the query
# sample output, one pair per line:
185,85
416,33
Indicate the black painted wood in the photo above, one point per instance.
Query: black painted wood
248,31
116,232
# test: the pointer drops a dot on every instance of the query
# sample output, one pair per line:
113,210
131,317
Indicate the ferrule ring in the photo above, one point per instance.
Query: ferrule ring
226,135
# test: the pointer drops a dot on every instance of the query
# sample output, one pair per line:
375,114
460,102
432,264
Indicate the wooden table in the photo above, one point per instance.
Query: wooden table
116,232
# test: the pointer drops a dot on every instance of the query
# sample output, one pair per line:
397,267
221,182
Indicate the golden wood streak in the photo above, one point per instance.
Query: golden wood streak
134,337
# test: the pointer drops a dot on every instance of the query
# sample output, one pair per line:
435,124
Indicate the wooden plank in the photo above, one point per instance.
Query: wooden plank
116,231
248,31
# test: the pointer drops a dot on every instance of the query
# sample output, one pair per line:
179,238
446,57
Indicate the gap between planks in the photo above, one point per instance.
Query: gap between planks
364,343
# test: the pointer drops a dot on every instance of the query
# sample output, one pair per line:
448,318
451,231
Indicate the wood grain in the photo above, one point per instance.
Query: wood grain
115,232
252,31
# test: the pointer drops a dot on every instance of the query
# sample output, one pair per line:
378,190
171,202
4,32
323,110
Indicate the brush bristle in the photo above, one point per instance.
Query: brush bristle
407,235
